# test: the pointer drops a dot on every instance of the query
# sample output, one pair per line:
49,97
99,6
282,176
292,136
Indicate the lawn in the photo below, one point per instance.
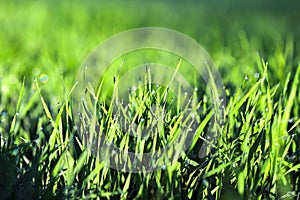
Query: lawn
254,149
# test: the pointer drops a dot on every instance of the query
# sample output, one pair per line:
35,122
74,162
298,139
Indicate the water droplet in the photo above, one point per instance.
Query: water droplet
196,89
291,120
43,78
256,75
185,93
163,167
246,78
37,141
17,113
3,114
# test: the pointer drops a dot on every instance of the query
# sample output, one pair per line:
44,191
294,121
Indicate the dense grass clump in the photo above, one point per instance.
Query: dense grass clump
255,155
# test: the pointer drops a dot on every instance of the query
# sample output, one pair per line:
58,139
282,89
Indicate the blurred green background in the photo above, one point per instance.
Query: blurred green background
54,37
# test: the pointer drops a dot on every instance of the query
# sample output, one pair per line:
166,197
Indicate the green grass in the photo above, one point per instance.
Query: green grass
256,48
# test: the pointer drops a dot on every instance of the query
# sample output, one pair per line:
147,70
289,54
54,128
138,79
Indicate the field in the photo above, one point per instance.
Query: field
253,154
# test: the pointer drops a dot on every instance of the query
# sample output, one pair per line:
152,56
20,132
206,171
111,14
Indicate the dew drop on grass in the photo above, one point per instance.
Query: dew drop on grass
44,78
256,75
3,114
163,167
291,120
246,78
196,89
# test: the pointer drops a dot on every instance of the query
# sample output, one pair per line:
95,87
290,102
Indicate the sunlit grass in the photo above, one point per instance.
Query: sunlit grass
255,156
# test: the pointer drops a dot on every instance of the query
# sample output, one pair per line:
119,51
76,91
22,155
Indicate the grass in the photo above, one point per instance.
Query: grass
256,155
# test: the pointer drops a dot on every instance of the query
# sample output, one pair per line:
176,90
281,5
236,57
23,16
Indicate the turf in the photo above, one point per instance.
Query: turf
255,47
